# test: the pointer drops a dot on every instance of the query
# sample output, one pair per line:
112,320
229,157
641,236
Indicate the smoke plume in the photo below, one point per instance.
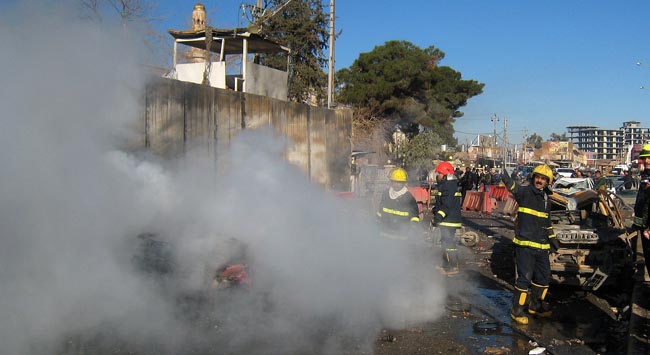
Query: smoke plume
74,202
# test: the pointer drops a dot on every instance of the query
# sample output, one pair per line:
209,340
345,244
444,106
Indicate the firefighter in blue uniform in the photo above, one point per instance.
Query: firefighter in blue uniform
398,209
447,216
533,240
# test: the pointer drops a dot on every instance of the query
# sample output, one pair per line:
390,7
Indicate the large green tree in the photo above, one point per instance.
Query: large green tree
558,137
421,149
402,82
535,140
302,25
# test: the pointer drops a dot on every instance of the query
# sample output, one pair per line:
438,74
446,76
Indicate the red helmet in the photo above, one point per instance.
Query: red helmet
445,168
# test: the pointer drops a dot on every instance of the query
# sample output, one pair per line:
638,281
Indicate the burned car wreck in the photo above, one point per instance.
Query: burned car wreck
594,247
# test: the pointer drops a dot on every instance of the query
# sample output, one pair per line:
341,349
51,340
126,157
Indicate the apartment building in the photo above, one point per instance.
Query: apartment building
633,133
609,145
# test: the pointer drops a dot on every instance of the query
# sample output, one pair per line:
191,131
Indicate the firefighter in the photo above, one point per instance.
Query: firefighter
398,207
533,240
642,205
446,215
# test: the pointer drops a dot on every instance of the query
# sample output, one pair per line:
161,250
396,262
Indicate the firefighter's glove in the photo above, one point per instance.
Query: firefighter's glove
555,244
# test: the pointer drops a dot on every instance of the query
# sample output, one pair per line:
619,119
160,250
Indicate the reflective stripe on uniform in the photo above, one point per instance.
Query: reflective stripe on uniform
638,221
451,224
442,213
528,243
458,194
395,212
415,219
533,212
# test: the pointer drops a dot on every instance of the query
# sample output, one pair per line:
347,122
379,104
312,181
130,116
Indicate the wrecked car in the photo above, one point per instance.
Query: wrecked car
591,227
569,185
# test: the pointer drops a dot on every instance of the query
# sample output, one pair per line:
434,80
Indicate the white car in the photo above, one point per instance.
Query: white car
565,172
570,185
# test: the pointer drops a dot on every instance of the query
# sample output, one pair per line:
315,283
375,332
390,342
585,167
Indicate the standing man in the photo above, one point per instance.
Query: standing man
642,206
515,175
477,179
466,183
446,215
398,208
487,179
600,182
533,239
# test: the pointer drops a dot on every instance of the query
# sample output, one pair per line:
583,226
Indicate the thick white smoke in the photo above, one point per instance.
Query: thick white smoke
72,204
70,91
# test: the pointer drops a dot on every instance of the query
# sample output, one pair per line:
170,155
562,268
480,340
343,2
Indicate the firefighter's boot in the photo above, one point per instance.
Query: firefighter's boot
518,304
450,261
537,305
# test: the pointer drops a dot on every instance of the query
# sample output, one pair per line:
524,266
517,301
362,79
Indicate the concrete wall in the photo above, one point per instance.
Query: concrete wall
266,81
193,73
180,115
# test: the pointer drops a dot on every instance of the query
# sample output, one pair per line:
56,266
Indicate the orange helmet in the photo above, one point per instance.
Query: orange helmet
445,168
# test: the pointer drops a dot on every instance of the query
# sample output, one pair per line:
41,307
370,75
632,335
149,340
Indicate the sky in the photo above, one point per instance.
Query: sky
546,65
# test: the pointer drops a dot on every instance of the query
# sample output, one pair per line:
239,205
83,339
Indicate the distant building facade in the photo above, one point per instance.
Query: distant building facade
633,133
608,145
601,144
564,154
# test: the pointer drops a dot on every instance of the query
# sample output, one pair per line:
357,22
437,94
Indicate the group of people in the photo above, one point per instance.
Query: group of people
534,237
398,209
474,179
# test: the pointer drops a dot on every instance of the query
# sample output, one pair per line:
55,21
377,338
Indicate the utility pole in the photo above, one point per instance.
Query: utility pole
330,79
525,144
494,120
505,142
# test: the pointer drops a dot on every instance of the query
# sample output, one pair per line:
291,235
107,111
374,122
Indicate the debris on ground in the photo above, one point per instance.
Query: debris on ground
493,350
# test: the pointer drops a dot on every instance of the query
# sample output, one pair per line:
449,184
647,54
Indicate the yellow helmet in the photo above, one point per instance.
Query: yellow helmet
398,174
544,170
645,151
